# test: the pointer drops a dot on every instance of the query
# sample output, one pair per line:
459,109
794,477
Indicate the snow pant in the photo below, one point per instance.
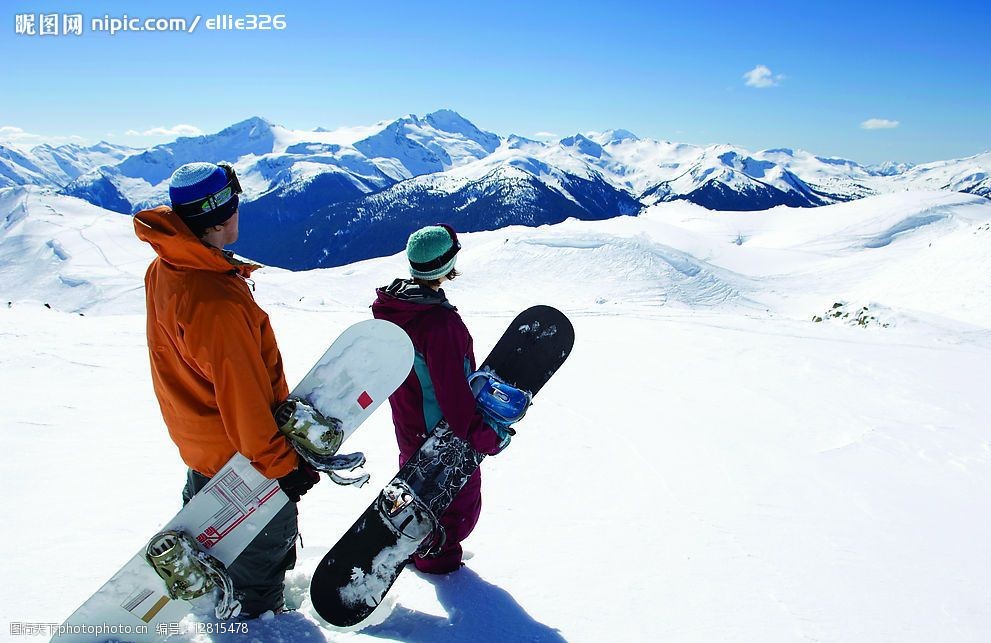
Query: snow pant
259,573
458,522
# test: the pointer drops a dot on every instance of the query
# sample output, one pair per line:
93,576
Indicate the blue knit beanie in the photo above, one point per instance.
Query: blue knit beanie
195,181
432,252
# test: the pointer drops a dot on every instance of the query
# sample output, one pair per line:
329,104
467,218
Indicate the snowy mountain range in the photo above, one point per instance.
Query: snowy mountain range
368,187
56,166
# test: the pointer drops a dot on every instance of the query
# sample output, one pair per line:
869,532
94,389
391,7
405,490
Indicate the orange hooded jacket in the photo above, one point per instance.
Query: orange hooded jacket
216,368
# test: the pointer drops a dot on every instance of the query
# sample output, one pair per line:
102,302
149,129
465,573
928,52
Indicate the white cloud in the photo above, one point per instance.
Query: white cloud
16,136
545,135
761,76
176,130
879,123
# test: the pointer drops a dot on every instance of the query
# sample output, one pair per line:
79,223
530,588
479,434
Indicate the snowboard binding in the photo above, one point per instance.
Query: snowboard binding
334,463
409,518
316,439
190,573
500,403
309,428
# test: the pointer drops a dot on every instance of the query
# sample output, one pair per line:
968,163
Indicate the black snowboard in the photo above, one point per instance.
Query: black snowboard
355,575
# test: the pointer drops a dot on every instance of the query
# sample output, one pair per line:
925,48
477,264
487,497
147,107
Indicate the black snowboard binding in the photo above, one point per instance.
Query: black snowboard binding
410,518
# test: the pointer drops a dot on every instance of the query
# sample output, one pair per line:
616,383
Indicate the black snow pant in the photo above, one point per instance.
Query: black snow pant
259,573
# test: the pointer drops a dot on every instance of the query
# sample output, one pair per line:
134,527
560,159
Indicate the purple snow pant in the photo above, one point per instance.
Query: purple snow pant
458,521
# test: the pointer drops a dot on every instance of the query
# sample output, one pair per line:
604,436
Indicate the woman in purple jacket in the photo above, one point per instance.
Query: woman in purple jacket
437,387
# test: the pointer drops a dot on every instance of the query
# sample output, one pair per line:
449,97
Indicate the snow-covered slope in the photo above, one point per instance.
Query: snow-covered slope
971,174
67,253
919,252
18,168
710,465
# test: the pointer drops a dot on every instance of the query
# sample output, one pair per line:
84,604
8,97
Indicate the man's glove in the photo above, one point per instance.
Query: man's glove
297,482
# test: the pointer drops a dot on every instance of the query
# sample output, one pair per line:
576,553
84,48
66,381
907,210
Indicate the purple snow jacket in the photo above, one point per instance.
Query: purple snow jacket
437,386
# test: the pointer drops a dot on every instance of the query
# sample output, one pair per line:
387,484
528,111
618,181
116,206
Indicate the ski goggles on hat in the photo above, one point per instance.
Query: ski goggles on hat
451,231
434,264
213,201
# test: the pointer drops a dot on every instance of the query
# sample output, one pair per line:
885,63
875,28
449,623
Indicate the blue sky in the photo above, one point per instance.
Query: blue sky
668,70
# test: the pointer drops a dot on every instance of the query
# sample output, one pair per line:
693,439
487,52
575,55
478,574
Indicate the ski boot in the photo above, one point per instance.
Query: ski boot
190,573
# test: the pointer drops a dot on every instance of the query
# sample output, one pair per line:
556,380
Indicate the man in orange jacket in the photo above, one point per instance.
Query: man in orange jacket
215,365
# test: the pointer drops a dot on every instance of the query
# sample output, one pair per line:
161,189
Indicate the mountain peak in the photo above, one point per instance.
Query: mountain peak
444,118
611,136
254,126
448,120
889,168
439,141
583,145
516,141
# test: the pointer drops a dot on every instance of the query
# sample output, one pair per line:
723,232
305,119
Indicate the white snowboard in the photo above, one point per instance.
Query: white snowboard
357,373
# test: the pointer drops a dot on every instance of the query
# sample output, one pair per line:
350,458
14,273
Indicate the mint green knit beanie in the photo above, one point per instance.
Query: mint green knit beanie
432,252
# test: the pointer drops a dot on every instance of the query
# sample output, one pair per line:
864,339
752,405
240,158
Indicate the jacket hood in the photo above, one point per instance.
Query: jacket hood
403,299
172,240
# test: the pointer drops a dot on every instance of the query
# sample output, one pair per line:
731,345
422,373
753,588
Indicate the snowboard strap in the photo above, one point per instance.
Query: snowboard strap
331,464
358,481
433,545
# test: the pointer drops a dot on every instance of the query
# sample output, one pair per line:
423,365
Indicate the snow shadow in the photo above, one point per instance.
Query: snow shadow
477,611
284,628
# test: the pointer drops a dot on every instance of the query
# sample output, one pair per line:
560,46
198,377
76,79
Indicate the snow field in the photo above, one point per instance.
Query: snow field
709,465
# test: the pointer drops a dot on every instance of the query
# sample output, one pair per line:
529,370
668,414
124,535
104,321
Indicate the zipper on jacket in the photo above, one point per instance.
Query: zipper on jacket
249,282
